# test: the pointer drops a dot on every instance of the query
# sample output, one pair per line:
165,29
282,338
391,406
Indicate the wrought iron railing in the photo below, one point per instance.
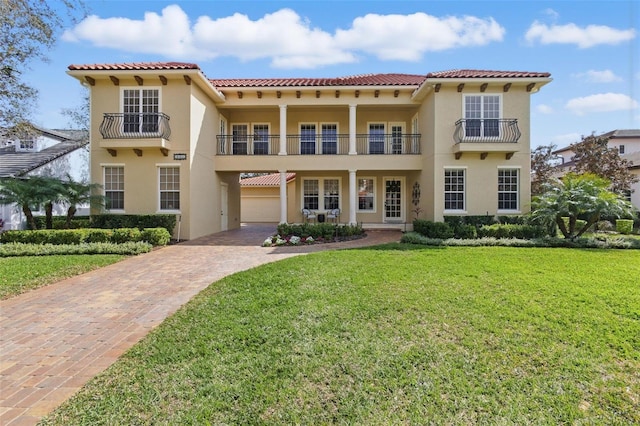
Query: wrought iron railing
311,144
503,130
135,126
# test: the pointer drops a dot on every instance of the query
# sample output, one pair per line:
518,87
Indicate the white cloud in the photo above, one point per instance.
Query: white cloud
593,76
408,37
544,109
158,34
284,37
604,102
566,139
583,37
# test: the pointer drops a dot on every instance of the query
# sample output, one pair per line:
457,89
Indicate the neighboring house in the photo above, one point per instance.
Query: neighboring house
45,152
167,139
260,197
627,142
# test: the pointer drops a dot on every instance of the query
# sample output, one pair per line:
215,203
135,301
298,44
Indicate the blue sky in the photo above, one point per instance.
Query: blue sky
589,47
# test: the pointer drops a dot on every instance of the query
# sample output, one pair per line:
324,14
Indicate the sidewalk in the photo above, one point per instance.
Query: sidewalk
54,339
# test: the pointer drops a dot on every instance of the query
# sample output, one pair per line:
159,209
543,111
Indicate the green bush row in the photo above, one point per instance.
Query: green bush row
140,221
525,232
21,249
327,231
153,236
461,230
548,242
60,222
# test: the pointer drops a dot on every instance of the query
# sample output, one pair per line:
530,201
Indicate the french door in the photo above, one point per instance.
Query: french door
393,211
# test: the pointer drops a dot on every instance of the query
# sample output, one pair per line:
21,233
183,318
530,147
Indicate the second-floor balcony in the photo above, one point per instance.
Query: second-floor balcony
313,144
502,130
135,126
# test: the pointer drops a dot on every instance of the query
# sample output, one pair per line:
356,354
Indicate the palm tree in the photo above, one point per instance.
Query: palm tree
80,193
27,193
575,196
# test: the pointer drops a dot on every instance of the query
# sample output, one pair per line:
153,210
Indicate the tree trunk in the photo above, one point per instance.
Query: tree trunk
70,213
593,219
48,210
562,226
27,213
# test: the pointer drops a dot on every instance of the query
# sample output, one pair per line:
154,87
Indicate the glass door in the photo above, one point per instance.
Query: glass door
393,200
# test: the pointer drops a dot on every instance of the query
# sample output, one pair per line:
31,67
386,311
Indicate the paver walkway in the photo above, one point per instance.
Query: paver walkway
54,339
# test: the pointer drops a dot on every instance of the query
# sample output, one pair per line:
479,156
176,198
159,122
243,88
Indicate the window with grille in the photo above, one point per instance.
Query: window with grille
508,186
169,188
454,189
114,187
366,194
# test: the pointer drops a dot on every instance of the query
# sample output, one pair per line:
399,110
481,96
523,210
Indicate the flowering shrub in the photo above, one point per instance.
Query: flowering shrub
294,235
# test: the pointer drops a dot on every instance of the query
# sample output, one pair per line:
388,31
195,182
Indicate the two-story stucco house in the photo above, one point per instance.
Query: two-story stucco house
165,138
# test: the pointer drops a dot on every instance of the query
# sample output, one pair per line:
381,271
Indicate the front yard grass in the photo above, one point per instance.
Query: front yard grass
391,335
21,274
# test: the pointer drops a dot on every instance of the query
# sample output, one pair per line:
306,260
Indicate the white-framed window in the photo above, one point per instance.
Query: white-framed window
482,115
376,138
321,193
141,110
367,195
307,138
169,187
239,138
509,189
113,187
27,144
261,138
329,135
454,189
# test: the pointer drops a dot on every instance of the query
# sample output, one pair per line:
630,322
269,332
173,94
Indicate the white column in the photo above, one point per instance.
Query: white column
283,196
353,197
352,130
283,130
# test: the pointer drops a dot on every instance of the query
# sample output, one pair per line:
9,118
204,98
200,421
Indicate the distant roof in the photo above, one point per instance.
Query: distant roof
136,66
266,180
614,134
486,74
14,163
355,80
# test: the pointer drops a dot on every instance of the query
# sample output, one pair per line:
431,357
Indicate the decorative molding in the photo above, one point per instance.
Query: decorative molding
530,86
112,152
163,80
458,155
164,152
115,80
357,93
139,80
187,80
259,93
509,155
90,80
376,93
506,87
460,87
396,93
240,94
337,93
138,152
278,94
483,87
317,93
298,94
483,155
437,87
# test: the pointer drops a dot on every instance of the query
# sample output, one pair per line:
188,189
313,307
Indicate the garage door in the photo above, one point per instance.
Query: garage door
260,209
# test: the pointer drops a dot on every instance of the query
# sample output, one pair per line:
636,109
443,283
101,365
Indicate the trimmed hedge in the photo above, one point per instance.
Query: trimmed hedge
20,249
60,222
140,221
475,220
430,229
525,232
624,226
326,231
155,236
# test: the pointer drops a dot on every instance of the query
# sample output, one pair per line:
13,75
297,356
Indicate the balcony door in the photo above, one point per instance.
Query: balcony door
376,138
329,138
141,108
393,212
261,139
239,135
397,131
307,138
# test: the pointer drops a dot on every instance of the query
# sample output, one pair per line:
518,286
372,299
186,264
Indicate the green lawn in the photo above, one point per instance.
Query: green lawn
21,274
400,335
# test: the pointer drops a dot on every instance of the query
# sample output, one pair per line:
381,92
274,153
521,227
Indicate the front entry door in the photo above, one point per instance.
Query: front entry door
224,207
393,200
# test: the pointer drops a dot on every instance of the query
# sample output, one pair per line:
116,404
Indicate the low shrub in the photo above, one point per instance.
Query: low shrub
21,249
123,235
624,226
156,236
475,220
60,222
526,232
430,229
140,221
99,235
465,232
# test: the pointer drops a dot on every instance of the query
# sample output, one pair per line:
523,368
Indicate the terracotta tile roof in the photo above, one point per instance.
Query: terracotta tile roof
486,74
136,66
266,180
356,80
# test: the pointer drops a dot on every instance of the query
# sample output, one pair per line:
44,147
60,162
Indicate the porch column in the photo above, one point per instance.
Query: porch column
283,196
352,130
353,197
283,130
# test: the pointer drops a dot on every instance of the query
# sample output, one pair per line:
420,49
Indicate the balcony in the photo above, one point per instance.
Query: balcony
311,144
137,131
486,135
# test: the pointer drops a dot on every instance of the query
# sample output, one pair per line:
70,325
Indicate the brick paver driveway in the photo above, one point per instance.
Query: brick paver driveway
54,339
